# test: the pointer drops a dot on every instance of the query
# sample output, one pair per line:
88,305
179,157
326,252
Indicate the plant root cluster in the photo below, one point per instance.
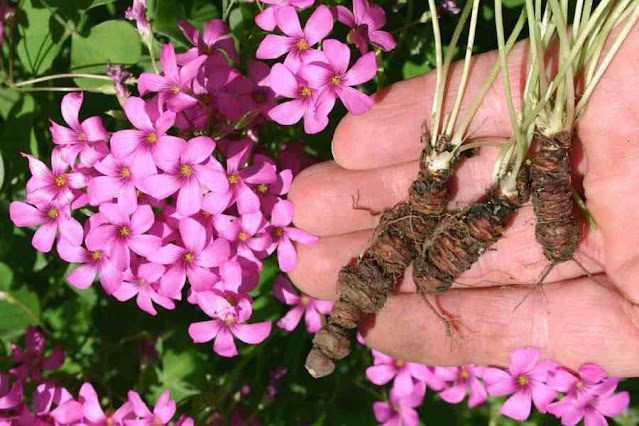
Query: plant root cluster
556,228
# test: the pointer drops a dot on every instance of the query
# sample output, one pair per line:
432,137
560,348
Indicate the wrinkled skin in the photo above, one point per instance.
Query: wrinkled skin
580,319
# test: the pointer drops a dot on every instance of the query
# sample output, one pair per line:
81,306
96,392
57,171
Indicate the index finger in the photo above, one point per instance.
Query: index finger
389,133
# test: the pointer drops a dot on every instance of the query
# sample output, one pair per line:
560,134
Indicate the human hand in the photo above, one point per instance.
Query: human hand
578,319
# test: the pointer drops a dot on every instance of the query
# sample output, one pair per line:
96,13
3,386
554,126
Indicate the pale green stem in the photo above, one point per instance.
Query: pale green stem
458,137
501,43
576,22
448,59
537,48
464,78
565,100
576,50
227,12
58,89
607,60
436,112
584,209
57,76
154,64
618,15
479,143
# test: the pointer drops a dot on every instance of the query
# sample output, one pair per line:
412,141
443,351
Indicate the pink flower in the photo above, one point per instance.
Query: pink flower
247,232
400,410
45,397
10,396
525,380
591,396
460,379
175,83
92,411
231,311
119,180
119,75
52,217
270,193
95,261
335,81
32,360
450,6
122,234
266,18
282,234
366,21
248,94
52,185
143,281
304,305
297,42
193,259
185,421
143,143
238,177
298,87
186,173
137,13
162,414
88,139
216,37
386,368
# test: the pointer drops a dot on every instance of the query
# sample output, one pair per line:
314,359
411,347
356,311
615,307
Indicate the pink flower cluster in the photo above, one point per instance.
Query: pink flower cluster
588,395
54,405
311,78
182,196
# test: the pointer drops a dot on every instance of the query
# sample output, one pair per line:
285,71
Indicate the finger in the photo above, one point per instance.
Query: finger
515,259
348,200
611,128
577,322
389,133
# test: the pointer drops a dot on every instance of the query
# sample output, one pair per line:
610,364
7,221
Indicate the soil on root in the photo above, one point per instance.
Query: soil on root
556,230
364,285
461,239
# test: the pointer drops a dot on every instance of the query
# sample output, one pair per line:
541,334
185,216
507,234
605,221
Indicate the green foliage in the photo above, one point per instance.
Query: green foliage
102,337
114,41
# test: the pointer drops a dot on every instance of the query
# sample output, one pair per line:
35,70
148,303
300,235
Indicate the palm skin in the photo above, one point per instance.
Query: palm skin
578,319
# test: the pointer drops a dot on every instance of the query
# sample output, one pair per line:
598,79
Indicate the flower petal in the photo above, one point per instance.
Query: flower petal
273,46
224,344
198,150
252,334
356,102
517,406
319,25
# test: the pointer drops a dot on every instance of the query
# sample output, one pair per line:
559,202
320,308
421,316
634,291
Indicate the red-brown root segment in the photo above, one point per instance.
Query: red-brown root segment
461,239
364,285
556,230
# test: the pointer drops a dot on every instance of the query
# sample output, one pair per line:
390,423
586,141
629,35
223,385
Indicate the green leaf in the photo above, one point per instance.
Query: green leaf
41,37
166,14
411,69
8,98
111,41
6,276
18,310
177,367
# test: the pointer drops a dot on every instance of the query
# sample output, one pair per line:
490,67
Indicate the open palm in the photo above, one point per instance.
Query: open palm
578,319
